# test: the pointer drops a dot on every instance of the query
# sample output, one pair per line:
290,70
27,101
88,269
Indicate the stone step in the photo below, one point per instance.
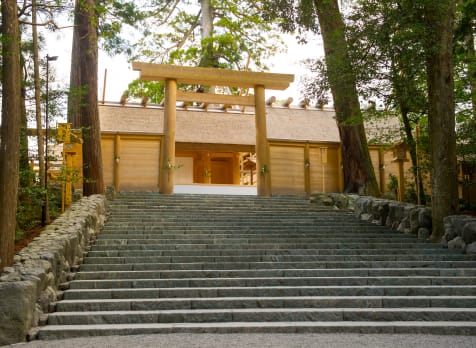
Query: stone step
186,263
237,226
275,265
119,283
271,291
280,273
266,302
408,327
262,315
296,244
273,258
234,240
135,251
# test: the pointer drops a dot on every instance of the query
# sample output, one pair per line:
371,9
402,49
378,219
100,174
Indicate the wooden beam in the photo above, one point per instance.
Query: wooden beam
212,76
307,170
215,98
214,147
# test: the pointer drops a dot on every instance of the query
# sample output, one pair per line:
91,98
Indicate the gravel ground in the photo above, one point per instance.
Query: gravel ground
260,340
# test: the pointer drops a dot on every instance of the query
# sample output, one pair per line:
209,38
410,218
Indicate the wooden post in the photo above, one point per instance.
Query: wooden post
166,173
207,164
381,169
262,148
400,156
323,162
307,170
117,163
236,169
68,194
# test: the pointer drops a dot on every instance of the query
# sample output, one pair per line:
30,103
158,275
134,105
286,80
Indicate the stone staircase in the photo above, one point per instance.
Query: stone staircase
229,264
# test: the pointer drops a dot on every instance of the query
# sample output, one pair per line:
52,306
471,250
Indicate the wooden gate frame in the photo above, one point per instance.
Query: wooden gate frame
172,75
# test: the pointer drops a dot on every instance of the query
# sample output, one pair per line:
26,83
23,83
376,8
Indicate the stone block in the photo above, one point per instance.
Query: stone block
423,233
17,310
471,248
424,217
414,221
366,217
457,243
341,201
469,232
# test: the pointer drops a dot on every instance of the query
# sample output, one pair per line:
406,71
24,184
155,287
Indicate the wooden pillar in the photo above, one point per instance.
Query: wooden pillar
117,162
262,147
236,168
323,150
207,165
381,169
167,163
307,170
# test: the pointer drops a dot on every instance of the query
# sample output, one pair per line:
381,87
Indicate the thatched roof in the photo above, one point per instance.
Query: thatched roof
201,126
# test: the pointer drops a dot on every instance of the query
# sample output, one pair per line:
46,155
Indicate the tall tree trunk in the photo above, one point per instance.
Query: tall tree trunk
74,96
412,144
24,169
93,181
208,59
441,118
359,175
10,133
37,78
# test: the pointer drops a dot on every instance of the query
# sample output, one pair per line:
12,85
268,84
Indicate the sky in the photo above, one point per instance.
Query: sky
120,74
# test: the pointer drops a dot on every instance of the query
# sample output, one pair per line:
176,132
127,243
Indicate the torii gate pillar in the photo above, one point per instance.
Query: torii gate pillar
263,166
167,158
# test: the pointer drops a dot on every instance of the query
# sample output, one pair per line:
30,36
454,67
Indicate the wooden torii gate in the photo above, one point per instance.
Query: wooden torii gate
172,75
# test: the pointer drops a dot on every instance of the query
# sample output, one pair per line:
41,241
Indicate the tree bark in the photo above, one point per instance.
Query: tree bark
39,127
441,119
10,133
359,175
74,96
93,181
412,146
208,59
24,164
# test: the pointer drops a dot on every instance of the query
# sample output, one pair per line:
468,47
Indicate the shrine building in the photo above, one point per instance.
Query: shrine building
217,139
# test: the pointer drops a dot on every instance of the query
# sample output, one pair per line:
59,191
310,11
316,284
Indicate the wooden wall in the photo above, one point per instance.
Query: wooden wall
302,168
131,163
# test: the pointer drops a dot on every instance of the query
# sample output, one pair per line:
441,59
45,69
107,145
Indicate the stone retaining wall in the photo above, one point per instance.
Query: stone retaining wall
460,230
30,286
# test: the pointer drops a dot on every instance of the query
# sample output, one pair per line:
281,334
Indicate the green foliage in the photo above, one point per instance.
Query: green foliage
30,204
116,17
153,90
240,39
392,184
315,86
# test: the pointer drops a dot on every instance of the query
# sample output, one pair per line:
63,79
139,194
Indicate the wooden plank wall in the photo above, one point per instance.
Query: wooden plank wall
137,167
287,169
324,177
107,148
137,161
